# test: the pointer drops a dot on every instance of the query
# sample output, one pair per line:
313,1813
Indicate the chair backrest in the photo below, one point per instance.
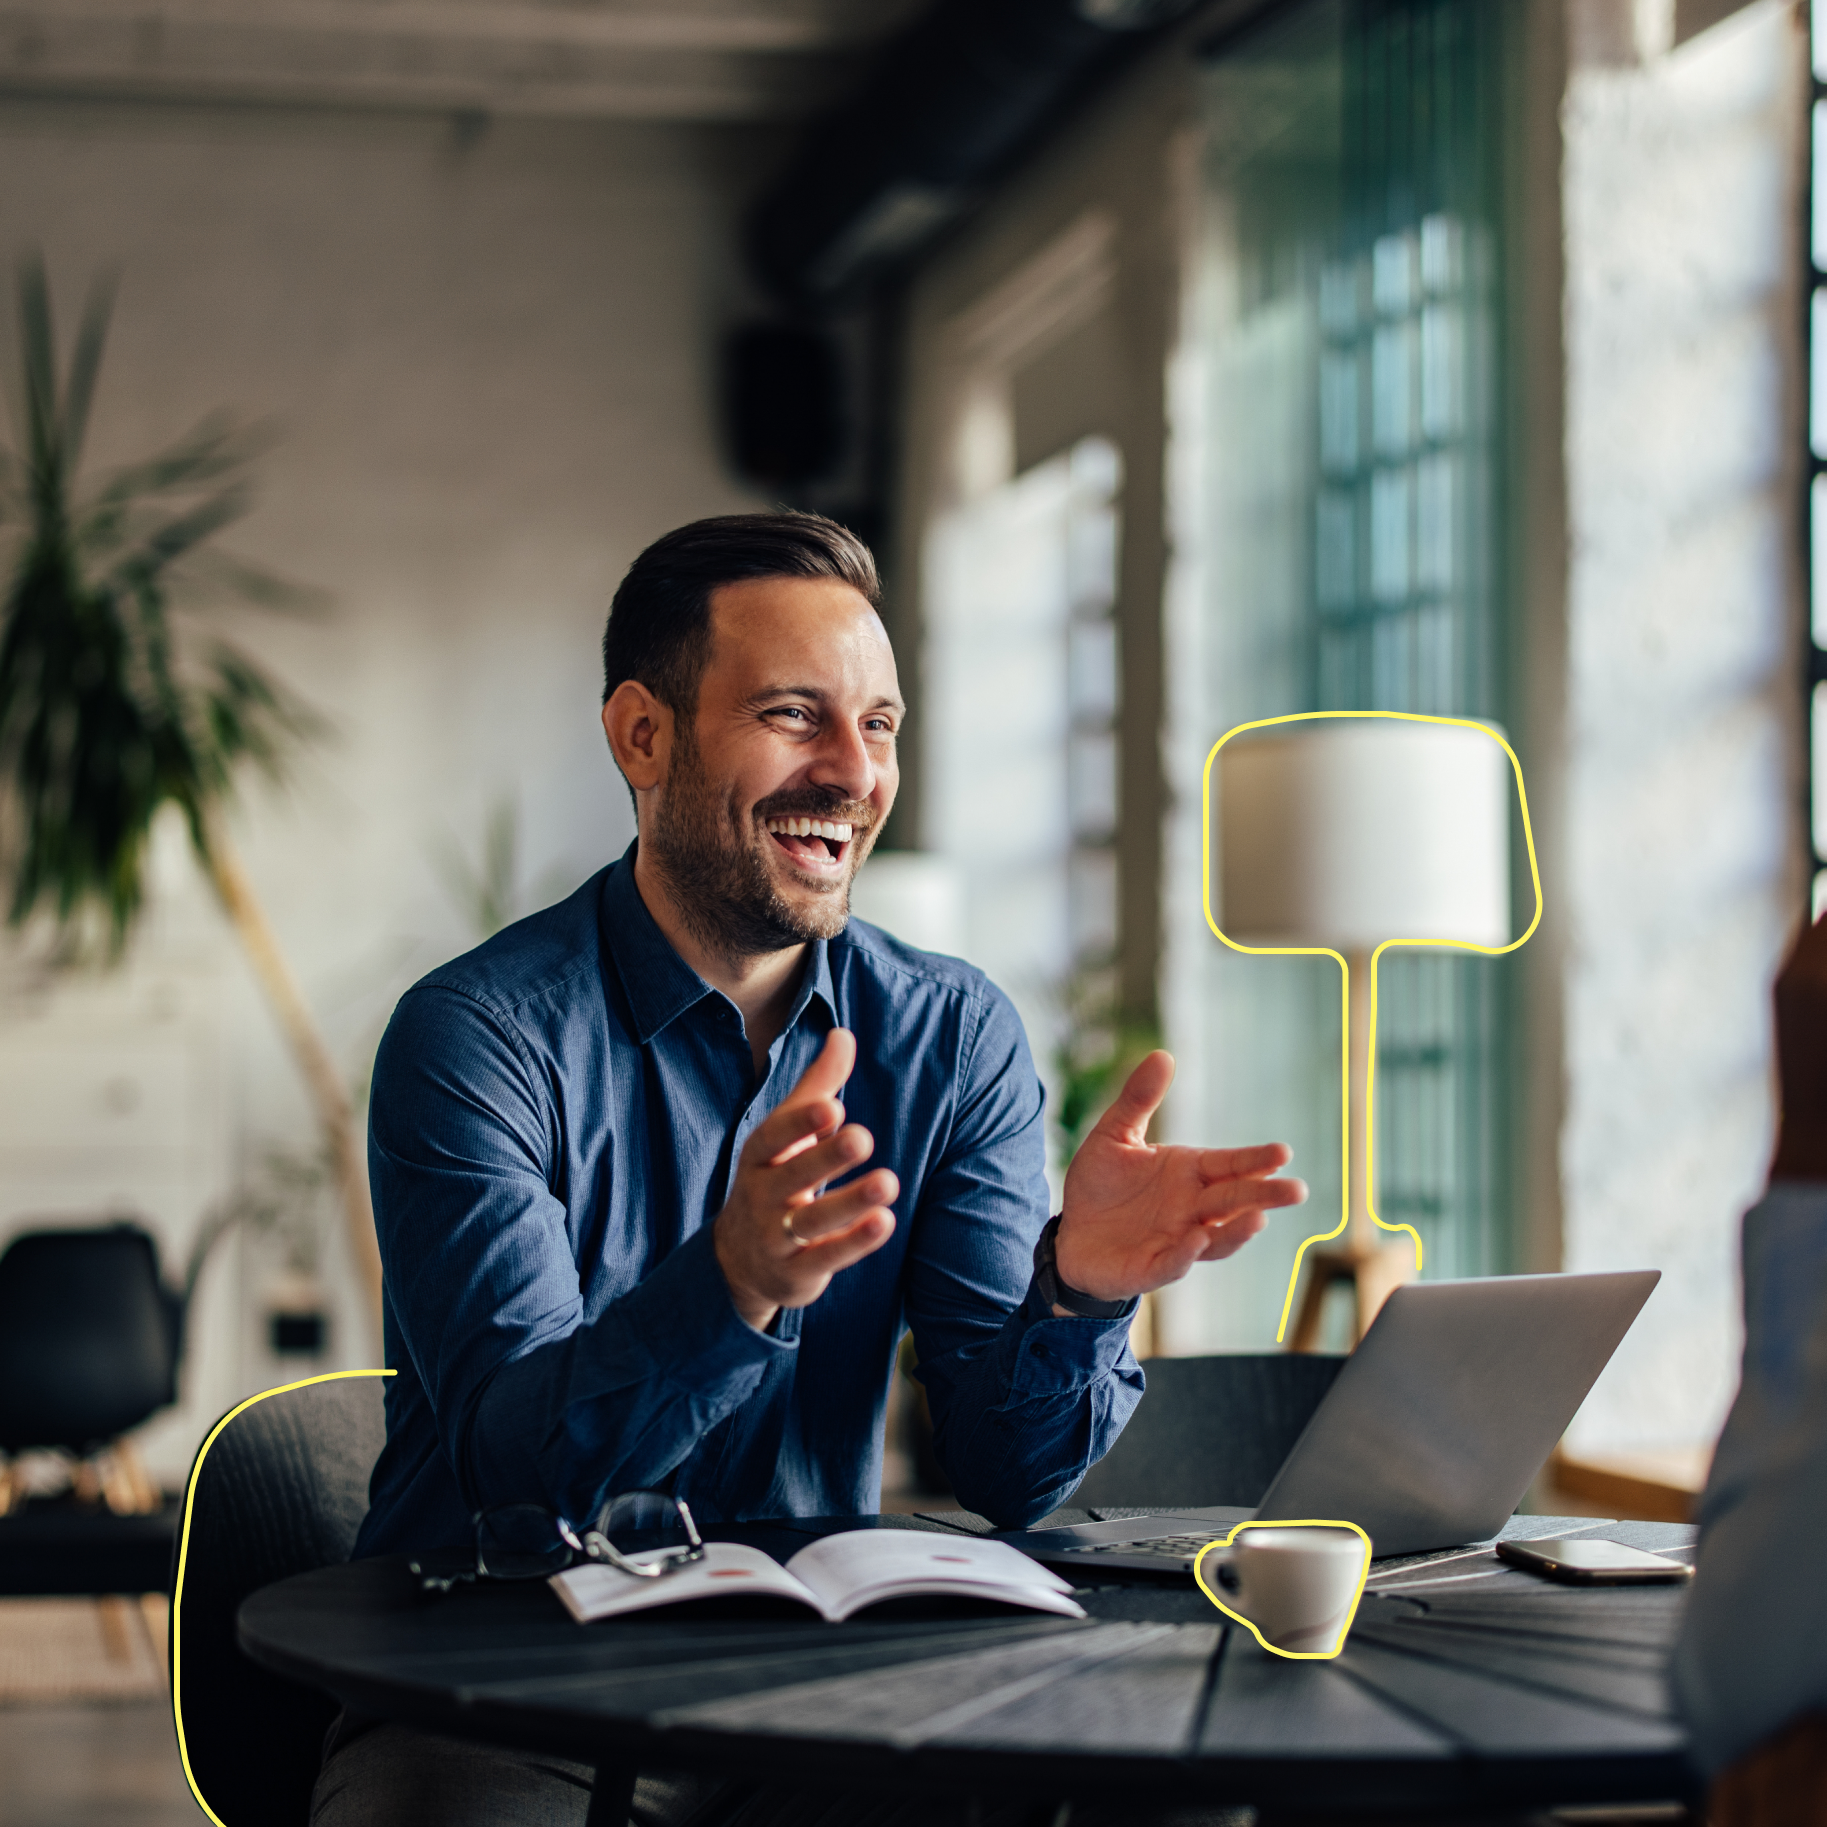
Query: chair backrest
88,1337
282,1490
1210,1430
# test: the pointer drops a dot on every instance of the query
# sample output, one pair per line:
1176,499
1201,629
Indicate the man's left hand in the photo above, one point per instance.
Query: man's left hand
1138,1216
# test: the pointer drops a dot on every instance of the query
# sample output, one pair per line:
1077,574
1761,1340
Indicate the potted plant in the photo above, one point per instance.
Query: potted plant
113,705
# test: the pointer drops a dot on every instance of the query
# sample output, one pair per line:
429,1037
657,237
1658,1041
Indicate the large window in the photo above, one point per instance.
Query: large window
1023,693
1343,535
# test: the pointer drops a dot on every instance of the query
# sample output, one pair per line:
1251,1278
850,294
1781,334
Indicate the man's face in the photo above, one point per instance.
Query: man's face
775,792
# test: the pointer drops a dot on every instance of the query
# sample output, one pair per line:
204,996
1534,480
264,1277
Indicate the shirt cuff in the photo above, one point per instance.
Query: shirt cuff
1045,1355
684,1317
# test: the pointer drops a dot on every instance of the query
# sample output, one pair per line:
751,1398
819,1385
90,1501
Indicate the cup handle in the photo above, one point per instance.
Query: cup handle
1221,1565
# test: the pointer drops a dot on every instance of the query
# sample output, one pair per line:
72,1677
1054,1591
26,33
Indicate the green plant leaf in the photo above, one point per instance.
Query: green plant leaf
85,369
1103,1043
105,714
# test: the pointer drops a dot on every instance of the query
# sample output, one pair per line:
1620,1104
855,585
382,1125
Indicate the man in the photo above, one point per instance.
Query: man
1750,1669
661,1173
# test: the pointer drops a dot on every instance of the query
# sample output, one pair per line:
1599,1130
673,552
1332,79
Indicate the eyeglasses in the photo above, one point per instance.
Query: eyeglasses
527,1541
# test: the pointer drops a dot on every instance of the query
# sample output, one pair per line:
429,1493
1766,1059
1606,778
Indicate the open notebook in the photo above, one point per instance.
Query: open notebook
836,1577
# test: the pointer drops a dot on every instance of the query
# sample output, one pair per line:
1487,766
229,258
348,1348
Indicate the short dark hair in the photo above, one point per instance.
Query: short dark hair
658,632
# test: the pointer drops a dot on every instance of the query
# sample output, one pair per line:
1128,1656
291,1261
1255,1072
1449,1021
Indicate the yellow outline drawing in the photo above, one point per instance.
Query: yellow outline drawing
1306,1522
1323,951
177,1587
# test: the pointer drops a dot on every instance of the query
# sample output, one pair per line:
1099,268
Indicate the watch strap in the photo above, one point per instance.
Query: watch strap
1057,1293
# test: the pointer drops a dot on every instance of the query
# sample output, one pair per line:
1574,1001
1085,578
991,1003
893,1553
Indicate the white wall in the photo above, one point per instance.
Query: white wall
1682,878
492,367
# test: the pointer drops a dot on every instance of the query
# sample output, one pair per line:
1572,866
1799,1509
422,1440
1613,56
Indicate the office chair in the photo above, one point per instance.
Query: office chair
1209,1431
282,1490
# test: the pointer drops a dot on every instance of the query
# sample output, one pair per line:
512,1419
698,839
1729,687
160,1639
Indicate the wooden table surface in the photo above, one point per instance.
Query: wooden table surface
1465,1684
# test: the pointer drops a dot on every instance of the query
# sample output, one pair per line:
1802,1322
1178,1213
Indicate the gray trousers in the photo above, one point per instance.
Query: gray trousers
398,1776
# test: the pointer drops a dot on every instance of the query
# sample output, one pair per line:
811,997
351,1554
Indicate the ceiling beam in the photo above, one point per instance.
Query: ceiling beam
679,27
534,57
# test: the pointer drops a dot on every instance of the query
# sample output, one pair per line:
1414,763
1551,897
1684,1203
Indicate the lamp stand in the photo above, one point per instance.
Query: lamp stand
1372,1269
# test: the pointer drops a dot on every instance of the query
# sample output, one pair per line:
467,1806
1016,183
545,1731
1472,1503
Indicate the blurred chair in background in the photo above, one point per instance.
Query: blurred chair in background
282,1490
90,1339
1209,1431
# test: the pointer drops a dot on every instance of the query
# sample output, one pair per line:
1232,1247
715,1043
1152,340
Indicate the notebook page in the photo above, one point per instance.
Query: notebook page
593,1590
863,1566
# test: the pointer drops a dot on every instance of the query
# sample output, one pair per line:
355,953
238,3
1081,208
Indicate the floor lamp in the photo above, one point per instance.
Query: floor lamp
1343,834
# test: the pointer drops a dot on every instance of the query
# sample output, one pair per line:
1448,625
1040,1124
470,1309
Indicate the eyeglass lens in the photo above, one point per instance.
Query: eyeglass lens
645,1534
526,1541
643,1519
522,1541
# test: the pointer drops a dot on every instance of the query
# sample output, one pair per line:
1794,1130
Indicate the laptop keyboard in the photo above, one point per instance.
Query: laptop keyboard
1183,1550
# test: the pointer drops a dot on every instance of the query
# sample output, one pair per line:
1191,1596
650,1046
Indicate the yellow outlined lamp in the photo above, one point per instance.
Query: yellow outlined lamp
1366,830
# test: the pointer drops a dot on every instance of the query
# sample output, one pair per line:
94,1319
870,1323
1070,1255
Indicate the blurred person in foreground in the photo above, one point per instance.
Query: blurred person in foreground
661,1173
1750,1669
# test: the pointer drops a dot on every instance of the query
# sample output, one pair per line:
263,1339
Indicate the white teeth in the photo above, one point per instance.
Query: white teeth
812,827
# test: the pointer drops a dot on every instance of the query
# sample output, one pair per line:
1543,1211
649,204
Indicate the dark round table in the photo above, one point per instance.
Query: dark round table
1466,1686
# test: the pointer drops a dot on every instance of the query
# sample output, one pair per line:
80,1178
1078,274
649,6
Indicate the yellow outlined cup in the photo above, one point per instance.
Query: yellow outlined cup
1324,951
177,1587
1351,1610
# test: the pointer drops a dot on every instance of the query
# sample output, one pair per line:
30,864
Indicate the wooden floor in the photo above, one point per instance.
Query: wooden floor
92,1766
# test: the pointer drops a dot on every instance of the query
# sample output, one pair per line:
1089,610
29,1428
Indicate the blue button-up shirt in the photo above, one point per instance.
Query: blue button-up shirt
556,1120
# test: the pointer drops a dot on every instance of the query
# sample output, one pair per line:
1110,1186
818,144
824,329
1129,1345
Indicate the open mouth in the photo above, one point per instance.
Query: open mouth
818,845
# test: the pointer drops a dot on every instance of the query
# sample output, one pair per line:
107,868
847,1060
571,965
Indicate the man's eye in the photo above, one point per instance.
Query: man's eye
791,710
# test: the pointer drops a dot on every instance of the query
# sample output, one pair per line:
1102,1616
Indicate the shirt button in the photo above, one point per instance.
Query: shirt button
1040,1350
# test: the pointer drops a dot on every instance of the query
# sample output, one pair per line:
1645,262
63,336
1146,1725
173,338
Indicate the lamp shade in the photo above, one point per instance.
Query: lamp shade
1347,834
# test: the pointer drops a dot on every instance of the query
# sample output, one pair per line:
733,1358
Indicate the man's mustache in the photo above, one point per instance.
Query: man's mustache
809,802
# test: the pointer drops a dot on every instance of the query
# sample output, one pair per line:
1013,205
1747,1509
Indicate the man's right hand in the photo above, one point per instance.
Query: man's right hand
780,1238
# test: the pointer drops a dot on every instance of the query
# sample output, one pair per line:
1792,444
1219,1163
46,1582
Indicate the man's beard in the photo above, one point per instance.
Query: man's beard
713,865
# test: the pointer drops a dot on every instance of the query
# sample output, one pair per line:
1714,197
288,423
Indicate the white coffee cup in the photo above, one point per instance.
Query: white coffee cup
1295,1584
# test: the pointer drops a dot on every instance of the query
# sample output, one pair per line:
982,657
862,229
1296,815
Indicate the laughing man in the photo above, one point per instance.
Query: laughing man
662,1173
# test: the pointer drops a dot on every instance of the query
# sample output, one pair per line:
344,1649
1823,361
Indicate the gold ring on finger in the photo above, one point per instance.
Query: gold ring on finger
786,1224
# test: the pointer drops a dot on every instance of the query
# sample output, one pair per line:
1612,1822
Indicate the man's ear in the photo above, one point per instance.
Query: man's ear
640,729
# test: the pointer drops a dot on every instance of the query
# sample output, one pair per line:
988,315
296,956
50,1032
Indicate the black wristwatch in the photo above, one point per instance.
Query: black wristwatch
1056,1293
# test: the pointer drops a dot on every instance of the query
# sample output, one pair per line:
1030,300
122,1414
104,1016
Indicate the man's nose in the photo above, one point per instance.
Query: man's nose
843,762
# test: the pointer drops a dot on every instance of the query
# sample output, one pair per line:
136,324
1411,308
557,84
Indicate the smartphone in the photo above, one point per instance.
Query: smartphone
1591,1563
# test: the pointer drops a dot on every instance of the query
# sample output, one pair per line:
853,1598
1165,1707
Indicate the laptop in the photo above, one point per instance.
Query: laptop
1431,1433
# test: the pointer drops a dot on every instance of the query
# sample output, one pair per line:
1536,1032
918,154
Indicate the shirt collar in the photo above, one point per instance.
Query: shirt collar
659,984
815,980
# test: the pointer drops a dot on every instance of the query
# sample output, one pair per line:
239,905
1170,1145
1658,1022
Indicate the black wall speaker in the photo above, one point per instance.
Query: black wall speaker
783,403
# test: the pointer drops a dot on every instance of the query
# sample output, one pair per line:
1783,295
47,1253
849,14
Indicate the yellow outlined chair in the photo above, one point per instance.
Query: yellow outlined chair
1210,1430
281,1488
